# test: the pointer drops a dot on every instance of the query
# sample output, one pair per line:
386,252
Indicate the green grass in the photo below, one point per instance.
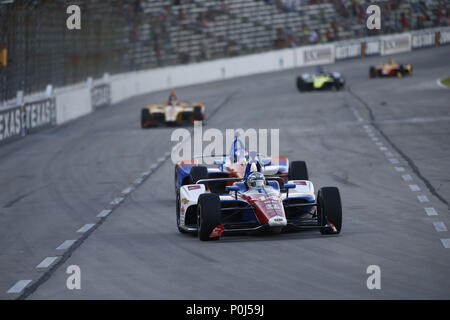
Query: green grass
446,81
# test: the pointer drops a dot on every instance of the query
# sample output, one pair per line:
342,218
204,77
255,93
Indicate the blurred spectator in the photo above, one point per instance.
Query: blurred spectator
290,36
313,37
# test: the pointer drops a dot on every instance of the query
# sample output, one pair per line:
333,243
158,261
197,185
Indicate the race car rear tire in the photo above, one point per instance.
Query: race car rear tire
208,215
198,115
298,170
329,208
198,173
372,72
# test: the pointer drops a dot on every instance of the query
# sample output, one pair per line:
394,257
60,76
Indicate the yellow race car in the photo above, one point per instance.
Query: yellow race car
173,112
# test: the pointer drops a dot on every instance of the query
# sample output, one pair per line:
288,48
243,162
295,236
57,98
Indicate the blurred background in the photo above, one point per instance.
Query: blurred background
126,35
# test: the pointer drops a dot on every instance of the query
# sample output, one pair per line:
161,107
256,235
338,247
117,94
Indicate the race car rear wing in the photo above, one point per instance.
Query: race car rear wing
218,180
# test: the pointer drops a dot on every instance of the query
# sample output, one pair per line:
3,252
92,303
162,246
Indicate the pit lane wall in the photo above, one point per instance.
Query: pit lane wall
30,114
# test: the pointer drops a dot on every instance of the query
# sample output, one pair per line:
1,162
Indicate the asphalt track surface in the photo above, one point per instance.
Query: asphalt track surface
59,180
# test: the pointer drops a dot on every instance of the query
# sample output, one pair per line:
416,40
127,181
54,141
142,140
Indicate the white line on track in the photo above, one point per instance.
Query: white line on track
66,245
414,187
153,166
423,198
431,211
46,262
128,190
394,161
161,159
375,139
138,181
383,148
388,154
356,114
407,177
380,144
85,228
440,226
167,154
116,201
399,169
103,213
19,286
446,243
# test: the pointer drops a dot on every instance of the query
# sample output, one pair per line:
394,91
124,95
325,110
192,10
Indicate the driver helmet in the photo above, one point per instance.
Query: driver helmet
256,180
172,98
319,70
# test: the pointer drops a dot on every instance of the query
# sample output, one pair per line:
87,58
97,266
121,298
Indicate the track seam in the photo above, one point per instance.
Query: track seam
408,160
27,291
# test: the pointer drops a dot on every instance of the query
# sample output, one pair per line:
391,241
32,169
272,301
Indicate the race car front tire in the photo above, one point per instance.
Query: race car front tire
298,170
301,85
145,118
198,115
208,215
329,208
198,173
372,72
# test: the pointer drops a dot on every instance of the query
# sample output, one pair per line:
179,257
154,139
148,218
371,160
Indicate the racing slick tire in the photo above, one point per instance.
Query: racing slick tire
208,215
298,170
372,72
329,208
301,86
145,118
198,173
198,115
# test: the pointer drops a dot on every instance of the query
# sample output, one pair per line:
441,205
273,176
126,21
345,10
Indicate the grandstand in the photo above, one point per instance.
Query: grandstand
119,36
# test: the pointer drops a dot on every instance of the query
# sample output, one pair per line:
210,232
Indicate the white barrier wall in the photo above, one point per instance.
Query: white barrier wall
395,44
134,83
314,55
72,103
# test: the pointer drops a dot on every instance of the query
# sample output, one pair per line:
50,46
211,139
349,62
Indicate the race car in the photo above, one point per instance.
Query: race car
256,204
321,80
390,69
232,165
171,113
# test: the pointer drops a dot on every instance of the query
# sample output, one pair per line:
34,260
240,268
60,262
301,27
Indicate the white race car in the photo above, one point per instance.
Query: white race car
256,203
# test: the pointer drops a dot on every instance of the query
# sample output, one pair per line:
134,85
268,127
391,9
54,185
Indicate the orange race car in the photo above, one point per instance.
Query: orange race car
390,69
